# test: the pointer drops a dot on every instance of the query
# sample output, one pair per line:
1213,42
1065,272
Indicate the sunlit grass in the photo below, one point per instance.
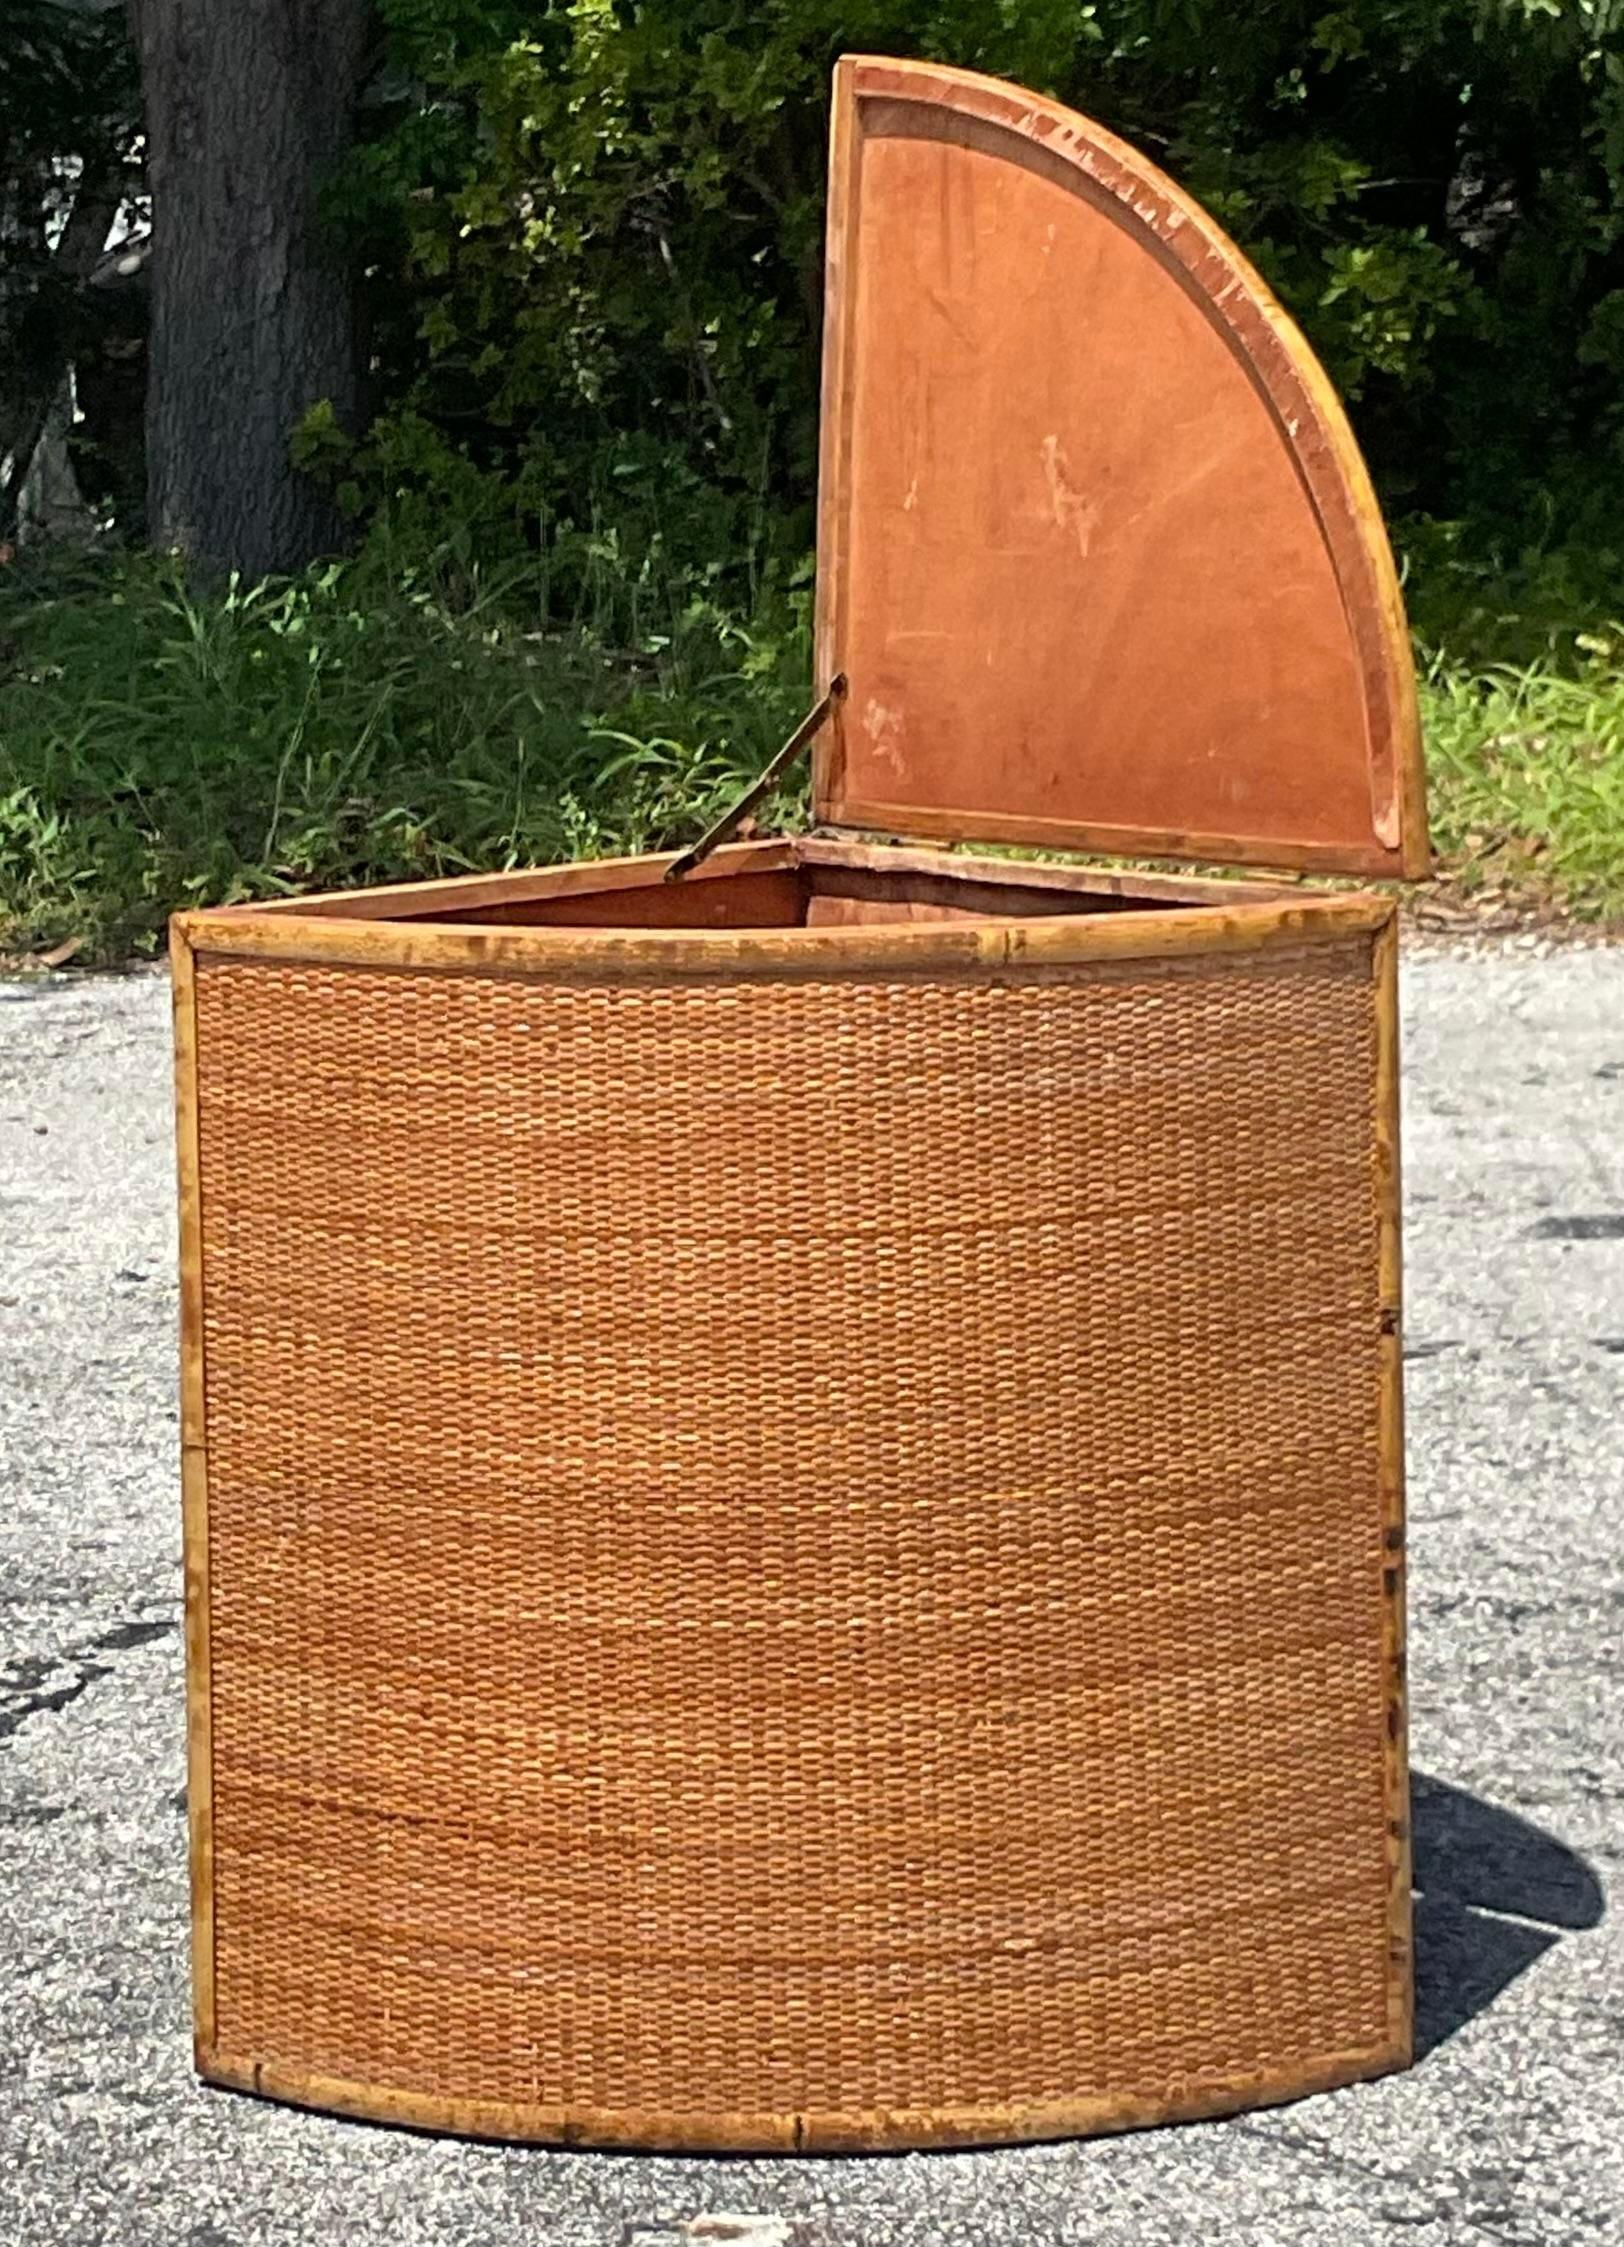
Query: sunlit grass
163,746
1526,780
160,747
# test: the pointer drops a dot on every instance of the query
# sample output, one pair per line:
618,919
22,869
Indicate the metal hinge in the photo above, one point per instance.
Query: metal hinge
697,853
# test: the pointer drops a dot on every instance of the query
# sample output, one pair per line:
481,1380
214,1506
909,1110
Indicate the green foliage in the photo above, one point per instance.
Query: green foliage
386,721
597,233
593,235
593,231
611,220
161,746
68,87
1527,779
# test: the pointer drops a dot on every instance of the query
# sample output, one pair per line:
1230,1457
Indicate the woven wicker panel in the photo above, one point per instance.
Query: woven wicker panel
795,1547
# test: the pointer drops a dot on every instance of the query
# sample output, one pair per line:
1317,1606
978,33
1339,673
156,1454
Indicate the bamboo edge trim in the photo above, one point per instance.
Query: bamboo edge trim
943,824
1311,418
1390,1455
466,892
194,1489
835,431
1004,946
862,856
878,2130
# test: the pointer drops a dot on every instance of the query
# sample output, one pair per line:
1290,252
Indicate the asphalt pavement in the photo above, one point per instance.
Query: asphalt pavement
1510,2130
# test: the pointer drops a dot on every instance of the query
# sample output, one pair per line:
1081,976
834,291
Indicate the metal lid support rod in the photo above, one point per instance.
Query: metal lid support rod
697,853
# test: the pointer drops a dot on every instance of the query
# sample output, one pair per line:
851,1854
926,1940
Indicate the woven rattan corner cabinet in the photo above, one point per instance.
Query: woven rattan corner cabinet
793,1465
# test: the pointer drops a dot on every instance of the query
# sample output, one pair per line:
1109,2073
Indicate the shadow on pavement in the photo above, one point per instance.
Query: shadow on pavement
1493,1893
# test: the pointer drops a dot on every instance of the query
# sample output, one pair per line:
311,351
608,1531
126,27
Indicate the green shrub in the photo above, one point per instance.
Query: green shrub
597,233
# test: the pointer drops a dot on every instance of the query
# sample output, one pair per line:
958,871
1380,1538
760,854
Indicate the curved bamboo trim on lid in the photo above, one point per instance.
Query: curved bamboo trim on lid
1097,551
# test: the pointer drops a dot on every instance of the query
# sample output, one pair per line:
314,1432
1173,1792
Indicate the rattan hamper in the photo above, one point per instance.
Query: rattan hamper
793,1459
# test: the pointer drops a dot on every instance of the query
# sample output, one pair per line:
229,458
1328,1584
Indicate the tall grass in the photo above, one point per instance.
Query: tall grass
1526,779
163,746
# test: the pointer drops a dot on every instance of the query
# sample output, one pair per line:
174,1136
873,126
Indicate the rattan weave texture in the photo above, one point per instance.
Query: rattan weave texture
795,1548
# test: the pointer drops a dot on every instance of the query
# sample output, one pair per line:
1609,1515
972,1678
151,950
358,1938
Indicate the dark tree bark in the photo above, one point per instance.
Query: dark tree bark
32,387
249,103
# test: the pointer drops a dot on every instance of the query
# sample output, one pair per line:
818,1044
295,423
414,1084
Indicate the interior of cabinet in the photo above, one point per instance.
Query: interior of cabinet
801,882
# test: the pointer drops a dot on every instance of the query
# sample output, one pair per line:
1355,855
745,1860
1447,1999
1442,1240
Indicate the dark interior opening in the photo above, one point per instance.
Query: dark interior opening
806,896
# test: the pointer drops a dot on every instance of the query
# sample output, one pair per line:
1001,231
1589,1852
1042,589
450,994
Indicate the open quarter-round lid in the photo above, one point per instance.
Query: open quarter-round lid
1097,554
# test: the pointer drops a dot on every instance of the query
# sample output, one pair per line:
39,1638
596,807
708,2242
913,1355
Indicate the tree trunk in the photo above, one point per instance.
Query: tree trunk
253,316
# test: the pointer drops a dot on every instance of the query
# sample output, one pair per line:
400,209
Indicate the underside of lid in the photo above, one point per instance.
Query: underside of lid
1097,553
